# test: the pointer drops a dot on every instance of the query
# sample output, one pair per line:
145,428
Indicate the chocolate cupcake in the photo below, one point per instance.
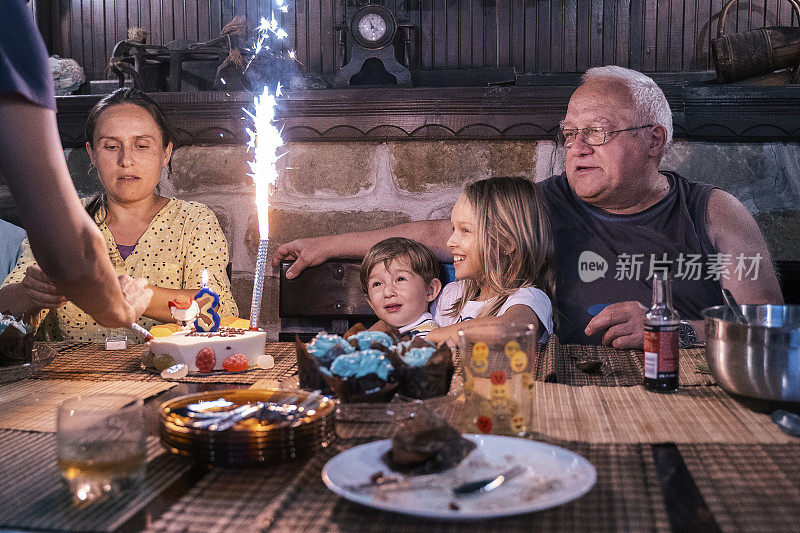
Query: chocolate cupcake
423,369
317,355
363,376
426,444
16,341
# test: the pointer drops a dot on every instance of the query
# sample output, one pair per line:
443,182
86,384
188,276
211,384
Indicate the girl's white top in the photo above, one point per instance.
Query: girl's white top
532,297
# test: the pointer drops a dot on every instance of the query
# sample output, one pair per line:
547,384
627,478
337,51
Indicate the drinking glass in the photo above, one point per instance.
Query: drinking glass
100,444
497,364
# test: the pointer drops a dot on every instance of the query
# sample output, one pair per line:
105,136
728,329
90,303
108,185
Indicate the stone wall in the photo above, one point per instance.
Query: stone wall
336,187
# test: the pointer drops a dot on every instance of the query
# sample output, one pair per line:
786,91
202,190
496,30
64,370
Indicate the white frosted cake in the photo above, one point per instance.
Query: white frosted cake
194,348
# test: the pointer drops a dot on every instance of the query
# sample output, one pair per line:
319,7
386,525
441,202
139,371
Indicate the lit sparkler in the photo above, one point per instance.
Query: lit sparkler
265,139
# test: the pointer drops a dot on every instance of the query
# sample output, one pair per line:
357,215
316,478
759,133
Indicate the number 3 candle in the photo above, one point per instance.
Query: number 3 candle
208,302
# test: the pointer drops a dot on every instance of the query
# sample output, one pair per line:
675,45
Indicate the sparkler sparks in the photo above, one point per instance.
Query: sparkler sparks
265,139
267,28
267,32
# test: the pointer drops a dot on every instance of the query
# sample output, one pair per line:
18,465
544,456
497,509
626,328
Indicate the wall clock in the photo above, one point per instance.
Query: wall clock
372,31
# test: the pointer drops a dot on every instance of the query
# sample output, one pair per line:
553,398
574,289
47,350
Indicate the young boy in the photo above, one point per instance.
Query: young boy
400,278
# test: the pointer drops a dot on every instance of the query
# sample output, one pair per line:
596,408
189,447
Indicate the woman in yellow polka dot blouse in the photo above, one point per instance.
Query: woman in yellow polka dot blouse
165,240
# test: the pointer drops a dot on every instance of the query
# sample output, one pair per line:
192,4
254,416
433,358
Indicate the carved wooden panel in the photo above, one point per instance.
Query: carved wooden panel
701,112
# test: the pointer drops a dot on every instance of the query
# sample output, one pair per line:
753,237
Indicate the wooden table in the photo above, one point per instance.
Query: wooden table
694,460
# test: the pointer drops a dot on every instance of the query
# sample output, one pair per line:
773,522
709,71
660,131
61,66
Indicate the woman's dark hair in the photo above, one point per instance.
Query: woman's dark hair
118,97
128,96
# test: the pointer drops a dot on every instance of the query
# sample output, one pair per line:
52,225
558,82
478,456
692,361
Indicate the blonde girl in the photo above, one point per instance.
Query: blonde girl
502,250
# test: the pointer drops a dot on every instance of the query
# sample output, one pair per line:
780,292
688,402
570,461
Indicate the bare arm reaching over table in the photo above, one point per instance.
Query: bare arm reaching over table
732,231
520,314
316,250
66,243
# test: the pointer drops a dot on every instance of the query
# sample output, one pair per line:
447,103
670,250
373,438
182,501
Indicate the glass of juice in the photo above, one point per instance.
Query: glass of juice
101,445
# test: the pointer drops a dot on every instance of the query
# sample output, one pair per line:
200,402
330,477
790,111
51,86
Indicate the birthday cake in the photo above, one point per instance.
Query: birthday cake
231,349
202,340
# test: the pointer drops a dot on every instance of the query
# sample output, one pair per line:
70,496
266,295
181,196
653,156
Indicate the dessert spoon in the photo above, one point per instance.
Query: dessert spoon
482,486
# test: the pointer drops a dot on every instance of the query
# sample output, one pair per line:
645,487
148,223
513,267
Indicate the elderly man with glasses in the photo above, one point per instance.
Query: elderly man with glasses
617,220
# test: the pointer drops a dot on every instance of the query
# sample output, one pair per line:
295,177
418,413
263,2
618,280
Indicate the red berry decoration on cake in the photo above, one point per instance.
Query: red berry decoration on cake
484,424
237,362
205,360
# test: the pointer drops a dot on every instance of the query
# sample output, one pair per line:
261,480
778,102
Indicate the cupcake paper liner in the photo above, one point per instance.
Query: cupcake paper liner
429,380
16,348
366,389
311,378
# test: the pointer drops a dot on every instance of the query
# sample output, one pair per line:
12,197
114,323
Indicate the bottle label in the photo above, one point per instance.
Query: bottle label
660,351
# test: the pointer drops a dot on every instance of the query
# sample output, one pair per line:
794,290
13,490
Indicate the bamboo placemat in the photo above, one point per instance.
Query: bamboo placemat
33,495
293,498
30,405
91,362
620,368
693,368
557,363
632,414
228,499
748,487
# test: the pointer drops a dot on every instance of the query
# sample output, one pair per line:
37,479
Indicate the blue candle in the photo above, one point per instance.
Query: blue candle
208,302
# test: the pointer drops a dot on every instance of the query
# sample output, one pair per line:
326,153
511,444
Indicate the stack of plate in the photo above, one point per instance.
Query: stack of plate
252,440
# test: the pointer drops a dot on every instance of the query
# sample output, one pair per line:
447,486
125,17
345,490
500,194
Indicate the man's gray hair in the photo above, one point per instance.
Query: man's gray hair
649,101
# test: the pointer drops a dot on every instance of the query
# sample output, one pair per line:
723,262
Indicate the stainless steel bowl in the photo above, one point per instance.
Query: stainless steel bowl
760,359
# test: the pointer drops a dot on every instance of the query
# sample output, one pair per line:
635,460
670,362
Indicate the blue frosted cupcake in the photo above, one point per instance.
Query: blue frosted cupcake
314,359
365,340
362,376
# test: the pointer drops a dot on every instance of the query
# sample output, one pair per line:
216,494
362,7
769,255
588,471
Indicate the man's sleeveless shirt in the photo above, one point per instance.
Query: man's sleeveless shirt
602,258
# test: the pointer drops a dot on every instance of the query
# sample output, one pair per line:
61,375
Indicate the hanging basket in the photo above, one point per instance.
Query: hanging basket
756,52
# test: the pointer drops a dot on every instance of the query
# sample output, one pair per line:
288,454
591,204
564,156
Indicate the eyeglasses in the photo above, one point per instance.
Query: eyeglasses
591,136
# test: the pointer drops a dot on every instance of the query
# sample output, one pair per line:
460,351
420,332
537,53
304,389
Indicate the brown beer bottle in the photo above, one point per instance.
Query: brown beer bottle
661,338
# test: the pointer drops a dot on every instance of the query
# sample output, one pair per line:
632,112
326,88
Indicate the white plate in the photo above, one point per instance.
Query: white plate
554,476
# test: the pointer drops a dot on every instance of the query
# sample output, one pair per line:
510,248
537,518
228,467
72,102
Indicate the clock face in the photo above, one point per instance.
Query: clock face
372,27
